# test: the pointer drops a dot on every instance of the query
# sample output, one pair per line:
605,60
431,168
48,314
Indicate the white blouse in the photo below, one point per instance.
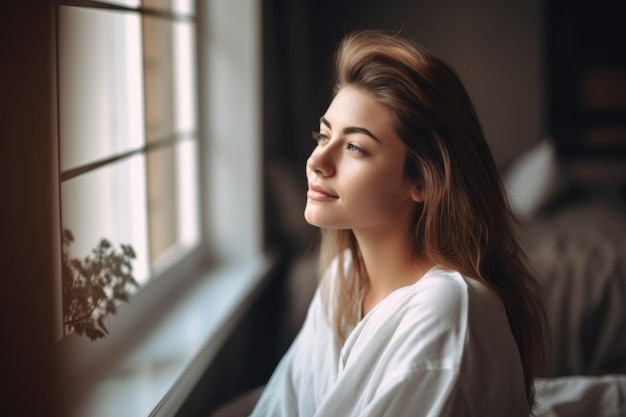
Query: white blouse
439,347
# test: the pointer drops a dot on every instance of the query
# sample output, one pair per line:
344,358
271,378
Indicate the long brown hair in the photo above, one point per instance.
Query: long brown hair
464,222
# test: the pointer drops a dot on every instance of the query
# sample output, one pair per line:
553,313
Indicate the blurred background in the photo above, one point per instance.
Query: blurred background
139,141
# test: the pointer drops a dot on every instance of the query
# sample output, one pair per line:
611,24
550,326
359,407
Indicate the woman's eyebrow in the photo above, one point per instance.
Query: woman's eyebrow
351,129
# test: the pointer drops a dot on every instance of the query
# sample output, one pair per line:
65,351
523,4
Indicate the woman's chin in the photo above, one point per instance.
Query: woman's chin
317,219
311,219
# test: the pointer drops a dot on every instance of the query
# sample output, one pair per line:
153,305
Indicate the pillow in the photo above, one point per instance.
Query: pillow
578,396
533,179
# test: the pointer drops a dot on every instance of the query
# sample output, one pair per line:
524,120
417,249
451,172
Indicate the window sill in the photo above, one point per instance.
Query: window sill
158,374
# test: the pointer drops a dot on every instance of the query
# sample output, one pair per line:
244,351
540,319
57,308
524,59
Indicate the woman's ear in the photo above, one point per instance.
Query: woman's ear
416,194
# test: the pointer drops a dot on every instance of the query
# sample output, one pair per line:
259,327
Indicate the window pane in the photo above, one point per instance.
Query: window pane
184,7
173,203
185,76
109,202
170,78
158,75
100,84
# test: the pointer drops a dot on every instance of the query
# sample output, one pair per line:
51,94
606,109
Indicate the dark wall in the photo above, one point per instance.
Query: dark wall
586,79
29,384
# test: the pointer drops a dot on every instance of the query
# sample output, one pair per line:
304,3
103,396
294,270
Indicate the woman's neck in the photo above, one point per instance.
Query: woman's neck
389,264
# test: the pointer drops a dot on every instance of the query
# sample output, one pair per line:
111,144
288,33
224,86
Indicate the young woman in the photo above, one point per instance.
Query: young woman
425,305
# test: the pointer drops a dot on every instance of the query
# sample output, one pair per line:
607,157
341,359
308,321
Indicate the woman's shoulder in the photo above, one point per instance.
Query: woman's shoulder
446,290
454,306
447,287
447,300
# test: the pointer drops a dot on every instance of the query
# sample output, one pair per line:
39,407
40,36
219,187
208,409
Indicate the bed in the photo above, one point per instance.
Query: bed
575,236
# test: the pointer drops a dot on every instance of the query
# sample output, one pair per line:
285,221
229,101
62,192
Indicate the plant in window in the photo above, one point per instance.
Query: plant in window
94,286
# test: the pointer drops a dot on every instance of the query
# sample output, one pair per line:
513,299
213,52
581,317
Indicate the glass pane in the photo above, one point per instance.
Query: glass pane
110,203
185,76
172,201
158,75
162,201
170,78
183,7
100,84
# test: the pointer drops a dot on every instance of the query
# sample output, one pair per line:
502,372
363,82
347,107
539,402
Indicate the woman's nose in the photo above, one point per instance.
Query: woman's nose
322,161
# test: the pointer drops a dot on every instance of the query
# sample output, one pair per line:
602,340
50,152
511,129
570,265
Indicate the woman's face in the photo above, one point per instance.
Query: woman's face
355,174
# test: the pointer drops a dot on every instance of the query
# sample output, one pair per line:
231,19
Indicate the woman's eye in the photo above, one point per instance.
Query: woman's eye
319,137
353,148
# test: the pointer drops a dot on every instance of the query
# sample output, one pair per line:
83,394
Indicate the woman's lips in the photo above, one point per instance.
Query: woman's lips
320,193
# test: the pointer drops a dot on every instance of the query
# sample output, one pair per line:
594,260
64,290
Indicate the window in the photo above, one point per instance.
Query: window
150,373
168,161
128,131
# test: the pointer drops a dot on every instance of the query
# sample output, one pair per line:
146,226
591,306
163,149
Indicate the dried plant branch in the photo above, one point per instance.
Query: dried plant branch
94,286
